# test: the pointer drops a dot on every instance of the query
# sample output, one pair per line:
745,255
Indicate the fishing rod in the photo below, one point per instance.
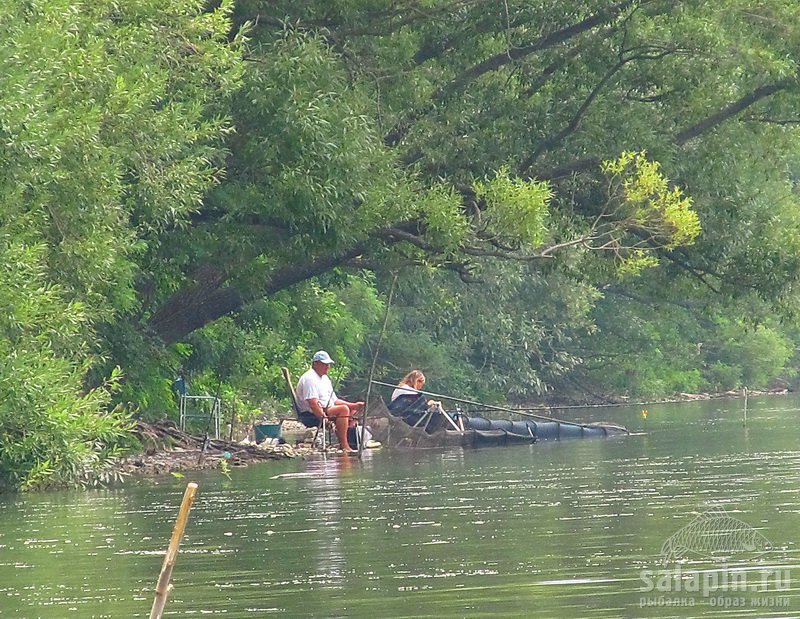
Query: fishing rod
374,363
473,403
334,384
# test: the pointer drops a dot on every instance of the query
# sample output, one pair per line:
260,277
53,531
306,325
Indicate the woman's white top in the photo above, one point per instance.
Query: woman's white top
403,389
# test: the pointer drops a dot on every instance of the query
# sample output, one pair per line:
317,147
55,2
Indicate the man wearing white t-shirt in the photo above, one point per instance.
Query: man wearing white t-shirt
318,401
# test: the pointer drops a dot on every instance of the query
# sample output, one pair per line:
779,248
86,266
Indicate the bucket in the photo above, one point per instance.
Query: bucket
267,430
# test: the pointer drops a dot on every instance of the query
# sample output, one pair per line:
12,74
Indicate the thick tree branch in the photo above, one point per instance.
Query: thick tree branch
682,263
493,63
551,69
626,293
714,120
196,305
707,124
552,39
575,121
213,296
565,169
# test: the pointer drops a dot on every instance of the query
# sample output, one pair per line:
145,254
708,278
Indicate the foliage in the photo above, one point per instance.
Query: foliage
757,354
111,119
574,196
516,210
51,430
109,129
441,325
648,345
649,201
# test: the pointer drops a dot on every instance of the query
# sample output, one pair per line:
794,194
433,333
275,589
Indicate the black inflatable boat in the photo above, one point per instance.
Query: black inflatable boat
431,428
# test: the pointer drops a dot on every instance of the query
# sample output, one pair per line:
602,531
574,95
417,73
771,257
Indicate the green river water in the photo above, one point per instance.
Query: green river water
569,529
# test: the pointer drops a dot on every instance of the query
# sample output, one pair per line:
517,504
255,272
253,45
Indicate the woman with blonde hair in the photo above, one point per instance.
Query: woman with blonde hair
411,384
407,399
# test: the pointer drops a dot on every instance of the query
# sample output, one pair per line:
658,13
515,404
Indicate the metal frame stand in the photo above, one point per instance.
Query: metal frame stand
216,406
429,415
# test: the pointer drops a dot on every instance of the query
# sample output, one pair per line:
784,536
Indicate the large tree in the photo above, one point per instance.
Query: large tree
453,133
421,129
111,124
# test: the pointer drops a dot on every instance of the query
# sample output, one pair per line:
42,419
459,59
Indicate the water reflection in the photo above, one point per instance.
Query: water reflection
550,530
325,505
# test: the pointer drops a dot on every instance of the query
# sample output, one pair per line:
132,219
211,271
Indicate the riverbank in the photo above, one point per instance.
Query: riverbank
166,449
598,401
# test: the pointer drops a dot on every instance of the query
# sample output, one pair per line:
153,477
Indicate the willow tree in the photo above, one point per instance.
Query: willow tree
111,117
316,181
452,135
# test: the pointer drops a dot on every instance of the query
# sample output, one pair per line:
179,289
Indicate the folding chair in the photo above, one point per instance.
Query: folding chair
432,413
320,424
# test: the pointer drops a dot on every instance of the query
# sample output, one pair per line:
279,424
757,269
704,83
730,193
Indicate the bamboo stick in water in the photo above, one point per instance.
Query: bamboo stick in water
164,586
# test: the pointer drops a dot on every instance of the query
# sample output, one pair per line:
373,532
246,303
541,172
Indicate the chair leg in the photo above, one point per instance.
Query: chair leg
328,430
320,428
324,427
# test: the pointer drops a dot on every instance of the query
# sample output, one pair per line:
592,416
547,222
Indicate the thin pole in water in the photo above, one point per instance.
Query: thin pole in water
164,586
744,393
374,362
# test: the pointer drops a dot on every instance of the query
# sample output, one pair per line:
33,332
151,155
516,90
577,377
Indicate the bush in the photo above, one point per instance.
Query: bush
52,432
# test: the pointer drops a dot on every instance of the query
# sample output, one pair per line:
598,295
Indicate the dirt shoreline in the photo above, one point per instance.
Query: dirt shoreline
166,449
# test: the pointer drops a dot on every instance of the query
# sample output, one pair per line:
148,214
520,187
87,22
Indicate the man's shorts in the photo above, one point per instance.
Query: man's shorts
309,419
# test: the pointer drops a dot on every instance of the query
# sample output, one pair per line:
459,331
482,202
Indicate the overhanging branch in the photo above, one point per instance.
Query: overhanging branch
710,122
493,63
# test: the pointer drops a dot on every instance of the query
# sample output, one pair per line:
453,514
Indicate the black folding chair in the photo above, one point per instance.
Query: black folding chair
306,418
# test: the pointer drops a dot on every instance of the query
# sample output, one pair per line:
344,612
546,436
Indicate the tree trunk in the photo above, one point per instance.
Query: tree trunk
196,305
213,296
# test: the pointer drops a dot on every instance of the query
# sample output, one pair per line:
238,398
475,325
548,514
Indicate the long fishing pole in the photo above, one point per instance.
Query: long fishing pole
325,420
374,363
487,406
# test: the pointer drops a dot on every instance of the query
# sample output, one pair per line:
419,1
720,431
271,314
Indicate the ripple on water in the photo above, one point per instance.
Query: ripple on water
562,528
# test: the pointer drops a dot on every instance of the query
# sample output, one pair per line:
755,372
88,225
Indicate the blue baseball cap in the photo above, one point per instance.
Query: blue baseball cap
322,357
